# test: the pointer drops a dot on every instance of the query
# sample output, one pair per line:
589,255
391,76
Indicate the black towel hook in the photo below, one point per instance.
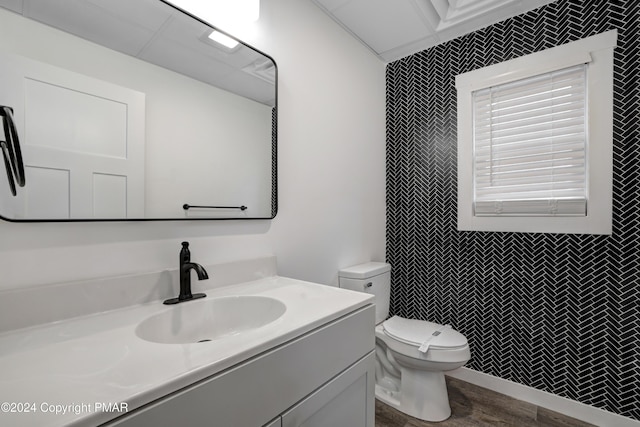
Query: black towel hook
11,150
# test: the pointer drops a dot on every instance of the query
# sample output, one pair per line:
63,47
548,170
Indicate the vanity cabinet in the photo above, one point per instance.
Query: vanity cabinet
344,401
324,377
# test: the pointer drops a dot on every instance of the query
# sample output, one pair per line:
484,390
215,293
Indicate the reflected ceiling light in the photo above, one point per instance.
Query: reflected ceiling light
221,12
223,39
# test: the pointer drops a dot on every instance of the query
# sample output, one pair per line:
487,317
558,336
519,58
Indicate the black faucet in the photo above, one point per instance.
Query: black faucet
185,277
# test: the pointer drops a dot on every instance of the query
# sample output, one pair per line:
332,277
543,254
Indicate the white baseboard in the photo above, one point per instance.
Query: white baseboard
572,408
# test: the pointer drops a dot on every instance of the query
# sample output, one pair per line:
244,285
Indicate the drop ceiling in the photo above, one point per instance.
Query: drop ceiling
393,29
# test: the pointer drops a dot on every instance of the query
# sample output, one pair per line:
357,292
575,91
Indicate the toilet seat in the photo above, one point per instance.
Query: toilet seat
415,332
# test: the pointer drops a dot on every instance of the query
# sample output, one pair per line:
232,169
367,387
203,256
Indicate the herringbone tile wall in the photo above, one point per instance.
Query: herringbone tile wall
556,312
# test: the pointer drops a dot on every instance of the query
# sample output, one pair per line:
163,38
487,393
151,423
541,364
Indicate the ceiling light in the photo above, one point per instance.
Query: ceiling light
223,39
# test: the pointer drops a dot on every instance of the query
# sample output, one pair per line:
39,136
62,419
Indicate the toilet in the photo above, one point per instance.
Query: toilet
411,355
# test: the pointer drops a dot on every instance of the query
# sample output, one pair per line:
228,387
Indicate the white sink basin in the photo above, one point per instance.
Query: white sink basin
210,319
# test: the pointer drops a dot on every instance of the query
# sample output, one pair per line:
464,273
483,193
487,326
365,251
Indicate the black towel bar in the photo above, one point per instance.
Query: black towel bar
186,207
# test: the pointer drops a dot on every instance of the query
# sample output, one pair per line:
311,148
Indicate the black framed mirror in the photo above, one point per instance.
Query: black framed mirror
127,110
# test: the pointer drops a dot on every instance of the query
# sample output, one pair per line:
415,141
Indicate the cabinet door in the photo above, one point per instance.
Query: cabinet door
346,400
275,423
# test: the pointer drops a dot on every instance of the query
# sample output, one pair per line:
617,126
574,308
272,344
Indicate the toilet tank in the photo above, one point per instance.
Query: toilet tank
372,278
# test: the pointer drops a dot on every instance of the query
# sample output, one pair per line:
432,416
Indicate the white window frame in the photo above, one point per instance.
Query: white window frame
597,52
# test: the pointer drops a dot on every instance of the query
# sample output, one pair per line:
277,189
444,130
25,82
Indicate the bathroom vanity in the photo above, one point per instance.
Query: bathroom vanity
313,380
287,353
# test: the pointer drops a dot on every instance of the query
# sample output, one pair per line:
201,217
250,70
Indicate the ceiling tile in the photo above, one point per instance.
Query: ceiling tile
332,4
89,20
382,24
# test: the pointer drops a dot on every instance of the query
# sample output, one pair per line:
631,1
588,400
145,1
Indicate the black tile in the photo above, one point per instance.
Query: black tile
556,312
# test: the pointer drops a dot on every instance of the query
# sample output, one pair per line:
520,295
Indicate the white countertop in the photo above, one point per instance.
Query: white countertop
98,358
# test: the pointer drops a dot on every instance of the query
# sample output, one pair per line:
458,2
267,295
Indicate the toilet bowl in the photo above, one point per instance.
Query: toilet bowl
413,381
411,355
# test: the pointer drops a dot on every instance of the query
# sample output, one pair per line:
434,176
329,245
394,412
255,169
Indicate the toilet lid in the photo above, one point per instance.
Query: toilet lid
415,332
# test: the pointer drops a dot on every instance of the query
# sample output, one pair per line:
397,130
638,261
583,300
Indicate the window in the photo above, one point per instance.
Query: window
529,146
535,141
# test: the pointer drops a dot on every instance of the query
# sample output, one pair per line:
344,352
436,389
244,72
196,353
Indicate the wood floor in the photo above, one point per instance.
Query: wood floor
476,406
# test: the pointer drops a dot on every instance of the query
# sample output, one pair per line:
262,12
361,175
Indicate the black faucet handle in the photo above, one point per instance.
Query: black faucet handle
185,268
185,253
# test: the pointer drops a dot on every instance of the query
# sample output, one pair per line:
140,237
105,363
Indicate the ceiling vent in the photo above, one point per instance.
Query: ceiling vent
446,13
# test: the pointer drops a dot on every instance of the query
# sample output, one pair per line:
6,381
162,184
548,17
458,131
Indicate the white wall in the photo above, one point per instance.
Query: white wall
331,176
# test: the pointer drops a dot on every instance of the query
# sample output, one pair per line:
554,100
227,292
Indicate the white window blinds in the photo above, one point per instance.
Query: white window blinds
530,146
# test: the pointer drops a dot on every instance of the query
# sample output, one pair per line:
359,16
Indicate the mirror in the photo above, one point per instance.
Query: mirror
127,110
